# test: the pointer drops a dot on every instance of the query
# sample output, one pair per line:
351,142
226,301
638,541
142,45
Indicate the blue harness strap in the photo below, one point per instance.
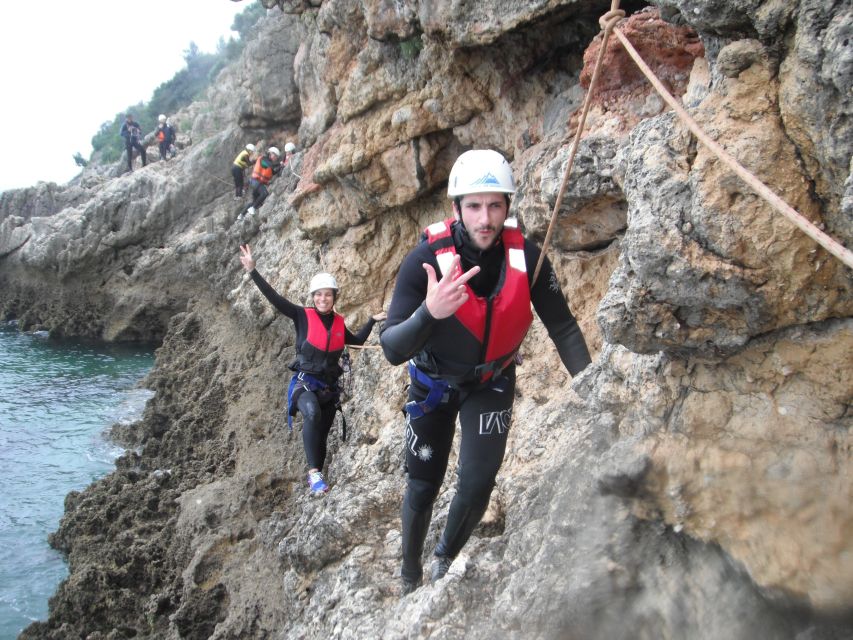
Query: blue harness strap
438,392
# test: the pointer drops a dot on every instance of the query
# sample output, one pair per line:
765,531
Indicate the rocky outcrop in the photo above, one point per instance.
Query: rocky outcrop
694,481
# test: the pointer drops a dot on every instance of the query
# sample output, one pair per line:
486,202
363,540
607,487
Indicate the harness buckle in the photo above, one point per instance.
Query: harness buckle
438,393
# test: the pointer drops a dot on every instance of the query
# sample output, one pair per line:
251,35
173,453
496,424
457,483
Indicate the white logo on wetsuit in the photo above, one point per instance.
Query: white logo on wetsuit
424,452
553,283
411,438
492,420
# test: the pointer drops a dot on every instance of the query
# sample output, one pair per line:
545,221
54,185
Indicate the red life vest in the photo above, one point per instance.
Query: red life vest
262,174
322,349
161,134
498,323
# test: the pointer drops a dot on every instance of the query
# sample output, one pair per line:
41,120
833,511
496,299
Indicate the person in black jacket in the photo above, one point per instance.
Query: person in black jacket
132,133
460,310
320,339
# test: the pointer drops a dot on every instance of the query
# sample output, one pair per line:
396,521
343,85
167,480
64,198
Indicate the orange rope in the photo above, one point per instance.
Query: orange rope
826,241
607,22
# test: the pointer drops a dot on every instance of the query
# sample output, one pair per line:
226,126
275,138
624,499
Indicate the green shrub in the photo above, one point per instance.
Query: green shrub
185,86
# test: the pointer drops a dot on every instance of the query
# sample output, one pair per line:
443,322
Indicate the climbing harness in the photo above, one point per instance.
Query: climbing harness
439,391
608,22
302,381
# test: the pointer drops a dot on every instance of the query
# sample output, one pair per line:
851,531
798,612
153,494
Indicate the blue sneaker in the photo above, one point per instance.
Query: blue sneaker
317,483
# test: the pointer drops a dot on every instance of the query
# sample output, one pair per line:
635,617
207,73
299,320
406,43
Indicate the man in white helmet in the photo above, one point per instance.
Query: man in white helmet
460,310
266,166
238,168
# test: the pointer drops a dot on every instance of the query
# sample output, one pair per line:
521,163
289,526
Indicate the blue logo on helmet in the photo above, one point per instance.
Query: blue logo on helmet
487,179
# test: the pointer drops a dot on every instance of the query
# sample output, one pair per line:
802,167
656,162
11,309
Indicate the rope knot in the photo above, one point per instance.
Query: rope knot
610,19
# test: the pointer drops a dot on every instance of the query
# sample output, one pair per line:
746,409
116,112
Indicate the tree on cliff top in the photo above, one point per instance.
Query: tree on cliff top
178,92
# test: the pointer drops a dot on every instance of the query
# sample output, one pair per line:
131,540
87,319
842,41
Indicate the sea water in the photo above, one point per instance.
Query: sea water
57,399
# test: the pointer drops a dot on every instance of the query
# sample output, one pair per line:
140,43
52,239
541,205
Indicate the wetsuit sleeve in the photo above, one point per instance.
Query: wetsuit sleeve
553,310
281,303
361,337
409,324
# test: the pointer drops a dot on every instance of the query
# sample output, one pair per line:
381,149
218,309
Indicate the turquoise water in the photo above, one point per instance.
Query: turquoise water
57,398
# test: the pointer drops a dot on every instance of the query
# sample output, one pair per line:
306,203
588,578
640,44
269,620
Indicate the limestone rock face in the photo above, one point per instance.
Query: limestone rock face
693,482
732,268
268,96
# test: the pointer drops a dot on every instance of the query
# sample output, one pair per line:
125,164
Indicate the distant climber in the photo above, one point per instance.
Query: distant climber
320,339
460,331
238,168
165,136
132,133
266,166
289,150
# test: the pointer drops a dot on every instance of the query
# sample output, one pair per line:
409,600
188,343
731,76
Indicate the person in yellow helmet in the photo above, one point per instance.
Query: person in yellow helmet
242,162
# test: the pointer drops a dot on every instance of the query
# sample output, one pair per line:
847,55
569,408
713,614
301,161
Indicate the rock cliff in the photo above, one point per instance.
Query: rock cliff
693,482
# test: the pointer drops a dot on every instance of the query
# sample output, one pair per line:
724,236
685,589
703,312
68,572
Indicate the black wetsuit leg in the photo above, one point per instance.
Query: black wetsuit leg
142,155
317,421
237,174
259,194
428,442
484,416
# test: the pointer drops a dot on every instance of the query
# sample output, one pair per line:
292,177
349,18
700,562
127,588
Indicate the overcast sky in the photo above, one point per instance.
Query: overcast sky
68,66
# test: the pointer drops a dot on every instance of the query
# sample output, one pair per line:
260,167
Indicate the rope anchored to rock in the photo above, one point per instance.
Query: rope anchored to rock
608,23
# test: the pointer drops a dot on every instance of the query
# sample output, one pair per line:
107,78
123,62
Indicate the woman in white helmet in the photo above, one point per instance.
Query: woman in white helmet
238,168
321,336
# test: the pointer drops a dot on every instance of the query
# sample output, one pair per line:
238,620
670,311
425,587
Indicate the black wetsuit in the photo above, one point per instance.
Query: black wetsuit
317,416
484,409
131,132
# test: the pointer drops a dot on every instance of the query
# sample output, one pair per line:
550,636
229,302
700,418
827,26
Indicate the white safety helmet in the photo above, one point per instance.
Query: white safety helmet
290,147
250,148
480,171
274,150
161,117
323,281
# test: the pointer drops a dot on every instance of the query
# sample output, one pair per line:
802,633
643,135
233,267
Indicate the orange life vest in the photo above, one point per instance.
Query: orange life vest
260,173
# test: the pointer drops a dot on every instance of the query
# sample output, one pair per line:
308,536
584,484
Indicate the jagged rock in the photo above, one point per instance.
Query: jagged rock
706,264
816,105
693,482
